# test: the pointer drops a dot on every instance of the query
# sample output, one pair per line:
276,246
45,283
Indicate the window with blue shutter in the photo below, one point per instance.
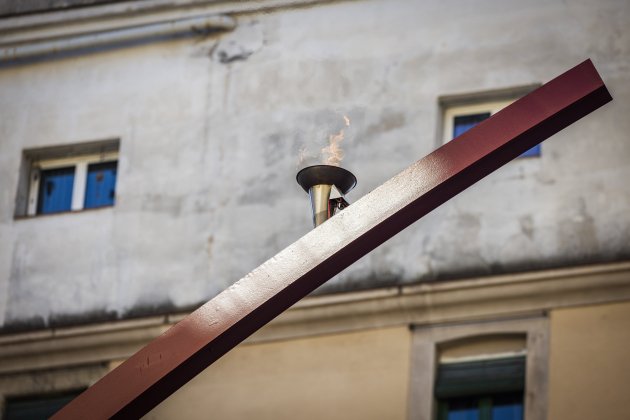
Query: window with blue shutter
67,178
481,390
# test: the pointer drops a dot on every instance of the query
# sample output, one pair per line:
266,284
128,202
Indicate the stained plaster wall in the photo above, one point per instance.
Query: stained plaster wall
359,375
210,129
593,338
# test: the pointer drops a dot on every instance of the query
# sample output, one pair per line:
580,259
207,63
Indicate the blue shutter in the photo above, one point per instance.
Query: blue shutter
534,151
100,188
55,190
463,123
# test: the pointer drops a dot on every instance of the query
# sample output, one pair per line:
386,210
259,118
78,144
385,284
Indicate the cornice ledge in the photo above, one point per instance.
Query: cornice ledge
131,13
458,301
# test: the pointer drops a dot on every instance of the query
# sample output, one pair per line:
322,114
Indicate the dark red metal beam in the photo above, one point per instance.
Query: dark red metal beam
174,358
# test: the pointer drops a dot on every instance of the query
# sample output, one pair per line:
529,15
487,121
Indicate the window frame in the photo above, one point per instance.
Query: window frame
484,378
80,164
427,340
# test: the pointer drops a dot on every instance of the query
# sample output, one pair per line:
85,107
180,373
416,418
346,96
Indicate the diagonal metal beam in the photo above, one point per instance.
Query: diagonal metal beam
168,362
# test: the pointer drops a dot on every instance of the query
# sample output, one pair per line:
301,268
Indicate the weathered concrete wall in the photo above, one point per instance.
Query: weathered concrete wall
362,375
211,128
589,366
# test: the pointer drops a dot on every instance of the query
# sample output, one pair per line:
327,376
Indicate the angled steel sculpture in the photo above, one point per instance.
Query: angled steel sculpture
174,358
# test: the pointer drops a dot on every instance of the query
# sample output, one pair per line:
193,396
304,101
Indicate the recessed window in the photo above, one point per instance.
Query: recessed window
38,406
482,378
481,390
459,118
68,178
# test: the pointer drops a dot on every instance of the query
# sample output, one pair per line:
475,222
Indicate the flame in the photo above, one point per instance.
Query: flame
333,154
302,155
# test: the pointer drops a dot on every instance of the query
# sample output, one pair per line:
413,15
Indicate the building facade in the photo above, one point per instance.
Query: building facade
148,152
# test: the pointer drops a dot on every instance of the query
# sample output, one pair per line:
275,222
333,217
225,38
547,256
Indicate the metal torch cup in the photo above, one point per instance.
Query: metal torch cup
326,185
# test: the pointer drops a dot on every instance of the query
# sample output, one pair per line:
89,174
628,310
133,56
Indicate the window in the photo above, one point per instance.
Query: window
37,407
481,390
68,178
75,183
436,348
463,113
481,378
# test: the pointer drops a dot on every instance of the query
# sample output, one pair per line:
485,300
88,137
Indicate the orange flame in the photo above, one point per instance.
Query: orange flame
333,154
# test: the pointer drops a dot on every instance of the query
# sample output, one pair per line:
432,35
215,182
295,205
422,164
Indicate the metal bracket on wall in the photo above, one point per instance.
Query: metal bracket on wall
171,360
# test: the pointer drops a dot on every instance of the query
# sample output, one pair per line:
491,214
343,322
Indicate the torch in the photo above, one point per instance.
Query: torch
326,185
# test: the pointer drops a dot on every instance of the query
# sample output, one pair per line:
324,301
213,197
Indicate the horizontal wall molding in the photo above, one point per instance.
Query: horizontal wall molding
117,16
94,38
421,306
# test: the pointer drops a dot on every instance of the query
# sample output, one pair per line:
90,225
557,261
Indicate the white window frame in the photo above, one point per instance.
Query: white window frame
461,110
80,164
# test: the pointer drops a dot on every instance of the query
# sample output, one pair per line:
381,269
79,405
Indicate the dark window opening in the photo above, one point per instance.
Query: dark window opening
37,407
